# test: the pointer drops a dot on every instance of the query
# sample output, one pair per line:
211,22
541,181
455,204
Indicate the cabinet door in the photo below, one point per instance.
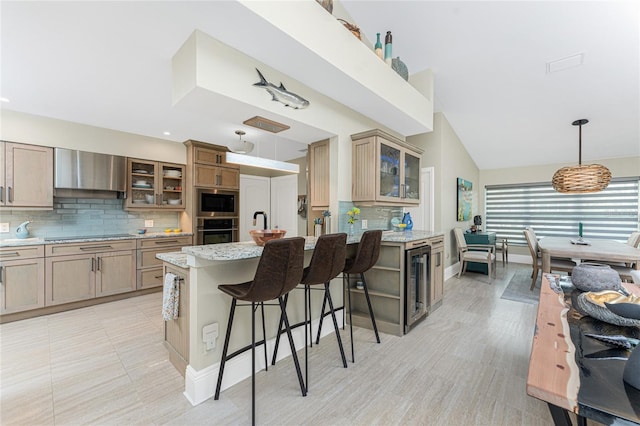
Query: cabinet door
411,178
170,186
208,156
29,176
176,332
228,178
3,173
69,278
437,276
319,175
389,184
115,272
205,176
365,167
141,183
21,285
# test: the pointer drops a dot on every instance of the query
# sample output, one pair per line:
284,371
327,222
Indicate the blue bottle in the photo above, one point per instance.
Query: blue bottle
406,219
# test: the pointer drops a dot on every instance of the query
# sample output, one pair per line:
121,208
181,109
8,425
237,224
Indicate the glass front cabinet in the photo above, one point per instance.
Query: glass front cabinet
386,170
154,185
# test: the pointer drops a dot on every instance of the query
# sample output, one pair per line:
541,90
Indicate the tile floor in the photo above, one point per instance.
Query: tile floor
465,364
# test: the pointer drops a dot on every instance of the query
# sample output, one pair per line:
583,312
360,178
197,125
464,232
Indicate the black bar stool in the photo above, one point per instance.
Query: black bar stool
366,256
279,271
326,263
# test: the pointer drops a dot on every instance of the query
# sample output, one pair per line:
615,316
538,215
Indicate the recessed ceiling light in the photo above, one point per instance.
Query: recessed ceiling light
4,100
166,133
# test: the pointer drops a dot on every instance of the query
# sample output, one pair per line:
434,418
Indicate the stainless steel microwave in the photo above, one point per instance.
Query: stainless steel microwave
217,203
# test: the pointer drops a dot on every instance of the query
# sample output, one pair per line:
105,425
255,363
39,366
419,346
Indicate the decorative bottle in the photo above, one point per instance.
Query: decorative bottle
387,48
406,219
378,47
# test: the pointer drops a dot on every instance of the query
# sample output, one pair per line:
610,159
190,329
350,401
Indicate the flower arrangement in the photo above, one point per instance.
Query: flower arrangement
326,213
351,218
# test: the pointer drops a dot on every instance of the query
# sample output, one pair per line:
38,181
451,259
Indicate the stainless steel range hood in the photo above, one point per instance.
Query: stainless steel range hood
84,174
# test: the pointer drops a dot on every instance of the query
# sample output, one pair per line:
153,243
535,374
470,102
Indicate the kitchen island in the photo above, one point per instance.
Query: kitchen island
211,265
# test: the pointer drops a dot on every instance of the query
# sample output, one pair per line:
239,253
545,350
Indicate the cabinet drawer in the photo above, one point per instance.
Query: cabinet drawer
147,258
93,247
163,242
150,278
436,242
23,252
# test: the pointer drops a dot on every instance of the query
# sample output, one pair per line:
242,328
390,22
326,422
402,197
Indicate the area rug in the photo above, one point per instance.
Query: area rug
518,288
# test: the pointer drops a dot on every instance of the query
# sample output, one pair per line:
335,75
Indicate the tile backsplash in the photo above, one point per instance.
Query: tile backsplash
377,217
86,216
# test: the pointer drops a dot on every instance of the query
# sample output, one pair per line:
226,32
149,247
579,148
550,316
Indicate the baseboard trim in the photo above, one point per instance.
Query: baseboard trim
200,385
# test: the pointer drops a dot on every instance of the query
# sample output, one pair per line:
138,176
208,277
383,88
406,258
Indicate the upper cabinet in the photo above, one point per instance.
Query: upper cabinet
26,176
319,175
210,167
155,185
386,170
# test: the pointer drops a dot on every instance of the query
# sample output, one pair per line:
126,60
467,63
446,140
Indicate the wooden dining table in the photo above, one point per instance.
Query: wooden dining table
574,373
597,250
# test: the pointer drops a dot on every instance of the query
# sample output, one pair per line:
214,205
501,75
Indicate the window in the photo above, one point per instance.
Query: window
610,214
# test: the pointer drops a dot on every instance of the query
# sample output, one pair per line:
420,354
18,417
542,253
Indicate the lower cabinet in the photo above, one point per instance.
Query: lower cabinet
149,268
176,332
83,271
21,279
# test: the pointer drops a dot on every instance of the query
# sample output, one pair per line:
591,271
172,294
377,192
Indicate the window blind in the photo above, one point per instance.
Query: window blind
610,214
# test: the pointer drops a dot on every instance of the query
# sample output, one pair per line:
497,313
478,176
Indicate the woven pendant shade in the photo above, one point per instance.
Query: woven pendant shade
581,179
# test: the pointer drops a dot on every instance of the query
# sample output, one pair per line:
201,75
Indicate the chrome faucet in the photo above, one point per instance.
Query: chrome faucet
264,217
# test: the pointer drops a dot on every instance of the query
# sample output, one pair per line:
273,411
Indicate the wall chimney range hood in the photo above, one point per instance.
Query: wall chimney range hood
84,174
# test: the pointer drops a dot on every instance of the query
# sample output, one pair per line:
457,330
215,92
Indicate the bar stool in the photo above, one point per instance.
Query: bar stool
279,271
326,263
366,256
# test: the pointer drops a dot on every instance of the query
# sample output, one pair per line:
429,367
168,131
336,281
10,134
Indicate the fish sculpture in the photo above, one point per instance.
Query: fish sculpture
281,94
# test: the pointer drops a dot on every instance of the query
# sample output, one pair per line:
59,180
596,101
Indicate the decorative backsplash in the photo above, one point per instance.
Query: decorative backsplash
83,217
377,217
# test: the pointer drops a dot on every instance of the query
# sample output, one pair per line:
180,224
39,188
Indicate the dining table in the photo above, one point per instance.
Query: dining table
594,249
574,373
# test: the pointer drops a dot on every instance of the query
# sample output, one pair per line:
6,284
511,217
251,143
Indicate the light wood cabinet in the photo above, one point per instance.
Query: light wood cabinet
205,176
210,168
21,279
319,175
26,175
385,170
437,272
176,332
81,271
149,268
153,185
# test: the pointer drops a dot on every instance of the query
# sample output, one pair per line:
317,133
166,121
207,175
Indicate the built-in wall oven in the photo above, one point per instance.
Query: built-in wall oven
216,230
417,282
217,203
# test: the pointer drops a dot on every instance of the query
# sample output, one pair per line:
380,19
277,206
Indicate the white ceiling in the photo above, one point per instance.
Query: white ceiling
107,64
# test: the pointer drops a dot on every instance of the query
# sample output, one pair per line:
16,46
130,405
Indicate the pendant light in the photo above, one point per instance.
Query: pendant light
581,179
241,147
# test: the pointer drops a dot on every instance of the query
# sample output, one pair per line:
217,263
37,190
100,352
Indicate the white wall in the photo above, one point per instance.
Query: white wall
38,130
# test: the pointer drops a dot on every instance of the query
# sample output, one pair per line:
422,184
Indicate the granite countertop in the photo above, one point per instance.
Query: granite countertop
15,242
249,249
176,258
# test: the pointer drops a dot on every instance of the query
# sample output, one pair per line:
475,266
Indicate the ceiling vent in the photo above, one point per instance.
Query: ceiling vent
266,124
565,63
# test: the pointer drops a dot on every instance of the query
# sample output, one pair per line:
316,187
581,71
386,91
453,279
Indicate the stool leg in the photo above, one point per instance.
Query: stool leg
310,316
253,363
225,348
277,344
353,356
324,304
373,319
294,355
264,339
335,324
307,315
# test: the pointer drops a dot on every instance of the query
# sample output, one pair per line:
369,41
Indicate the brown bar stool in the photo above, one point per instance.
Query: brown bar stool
366,256
279,271
326,263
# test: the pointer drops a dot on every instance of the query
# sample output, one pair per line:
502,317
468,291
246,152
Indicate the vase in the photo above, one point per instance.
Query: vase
398,66
378,47
351,229
388,42
595,277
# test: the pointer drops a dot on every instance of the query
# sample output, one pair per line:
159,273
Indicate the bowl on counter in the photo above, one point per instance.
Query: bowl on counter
142,231
261,236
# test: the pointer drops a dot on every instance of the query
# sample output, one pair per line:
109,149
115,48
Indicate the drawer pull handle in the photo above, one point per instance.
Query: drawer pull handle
166,242
1,275
158,277
10,254
95,247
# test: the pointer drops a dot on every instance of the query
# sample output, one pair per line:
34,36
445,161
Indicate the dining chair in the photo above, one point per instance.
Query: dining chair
563,265
479,253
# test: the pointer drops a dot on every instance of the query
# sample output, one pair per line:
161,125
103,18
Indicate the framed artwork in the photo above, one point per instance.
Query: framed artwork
465,197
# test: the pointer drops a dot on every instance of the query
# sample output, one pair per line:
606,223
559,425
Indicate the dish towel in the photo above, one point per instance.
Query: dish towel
170,297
